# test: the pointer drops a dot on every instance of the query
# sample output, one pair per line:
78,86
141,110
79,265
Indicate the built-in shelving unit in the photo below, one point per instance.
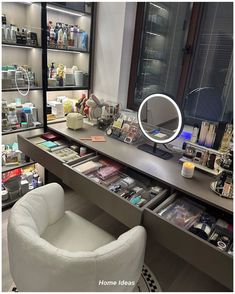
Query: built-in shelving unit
75,14
34,17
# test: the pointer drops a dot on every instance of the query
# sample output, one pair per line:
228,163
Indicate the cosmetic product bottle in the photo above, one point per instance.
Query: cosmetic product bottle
226,138
39,182
58,26
4,19
18,36
3,33
71,38
219,134
23,37
205,158
65,38
60,34
7,34
195,134
52,37
13,33
211,161
52,70
203,132
227,188
210,136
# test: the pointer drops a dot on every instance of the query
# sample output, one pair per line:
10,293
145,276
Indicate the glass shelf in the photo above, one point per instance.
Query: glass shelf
21,130
12,167
67,50
22,89
20,46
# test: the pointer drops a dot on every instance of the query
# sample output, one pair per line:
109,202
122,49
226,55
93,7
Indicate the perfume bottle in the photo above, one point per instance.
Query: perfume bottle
226,138
203,132
210,137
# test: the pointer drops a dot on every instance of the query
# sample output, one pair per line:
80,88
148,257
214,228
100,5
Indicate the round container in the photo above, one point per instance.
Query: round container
83,151
188,169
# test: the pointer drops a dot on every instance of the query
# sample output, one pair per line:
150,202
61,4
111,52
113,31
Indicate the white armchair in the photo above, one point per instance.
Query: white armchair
52,250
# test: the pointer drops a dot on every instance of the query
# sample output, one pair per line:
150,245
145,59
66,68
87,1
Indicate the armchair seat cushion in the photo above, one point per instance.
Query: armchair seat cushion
74,233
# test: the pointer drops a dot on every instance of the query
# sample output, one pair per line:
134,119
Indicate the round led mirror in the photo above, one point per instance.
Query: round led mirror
160,120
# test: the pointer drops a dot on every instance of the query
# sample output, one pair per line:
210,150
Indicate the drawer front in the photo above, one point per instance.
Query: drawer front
39,155
119,208
191,248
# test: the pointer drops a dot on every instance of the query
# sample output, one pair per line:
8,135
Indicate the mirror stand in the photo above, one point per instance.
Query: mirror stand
155,151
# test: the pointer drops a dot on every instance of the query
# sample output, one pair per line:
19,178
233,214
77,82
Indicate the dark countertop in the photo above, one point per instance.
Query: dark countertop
167,171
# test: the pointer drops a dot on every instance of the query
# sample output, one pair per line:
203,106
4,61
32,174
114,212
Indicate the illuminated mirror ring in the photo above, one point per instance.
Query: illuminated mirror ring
27,75
180,121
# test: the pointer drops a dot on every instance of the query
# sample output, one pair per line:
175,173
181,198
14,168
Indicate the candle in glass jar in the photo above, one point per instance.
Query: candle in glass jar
187,169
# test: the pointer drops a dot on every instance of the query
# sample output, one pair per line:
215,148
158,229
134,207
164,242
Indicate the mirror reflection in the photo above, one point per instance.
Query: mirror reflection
160,118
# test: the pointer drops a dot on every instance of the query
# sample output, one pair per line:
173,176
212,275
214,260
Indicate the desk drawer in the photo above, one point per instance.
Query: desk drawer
118,207
196,251
45,158
39,155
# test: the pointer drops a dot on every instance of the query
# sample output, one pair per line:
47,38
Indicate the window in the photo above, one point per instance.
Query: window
209,91
199,72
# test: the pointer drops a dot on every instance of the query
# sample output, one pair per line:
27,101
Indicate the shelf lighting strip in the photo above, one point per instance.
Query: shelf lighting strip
63,11
60,50
15,46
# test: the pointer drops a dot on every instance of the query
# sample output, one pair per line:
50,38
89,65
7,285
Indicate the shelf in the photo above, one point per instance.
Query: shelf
21,130
205,148
9,168
20,46
9,203
57,120
21,89
199,166
66,88
67,50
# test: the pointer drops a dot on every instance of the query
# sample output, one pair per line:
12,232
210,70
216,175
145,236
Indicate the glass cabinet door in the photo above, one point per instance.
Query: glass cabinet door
161,53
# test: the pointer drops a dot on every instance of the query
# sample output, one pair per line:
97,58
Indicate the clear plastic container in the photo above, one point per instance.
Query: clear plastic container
182,212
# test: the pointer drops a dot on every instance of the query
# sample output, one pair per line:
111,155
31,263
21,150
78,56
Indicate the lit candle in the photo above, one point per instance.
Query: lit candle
187,169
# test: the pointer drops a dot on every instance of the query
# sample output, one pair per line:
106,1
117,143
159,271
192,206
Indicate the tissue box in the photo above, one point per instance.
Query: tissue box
74,121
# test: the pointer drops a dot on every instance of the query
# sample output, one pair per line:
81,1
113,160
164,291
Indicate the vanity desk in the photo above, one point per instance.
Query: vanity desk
165,173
